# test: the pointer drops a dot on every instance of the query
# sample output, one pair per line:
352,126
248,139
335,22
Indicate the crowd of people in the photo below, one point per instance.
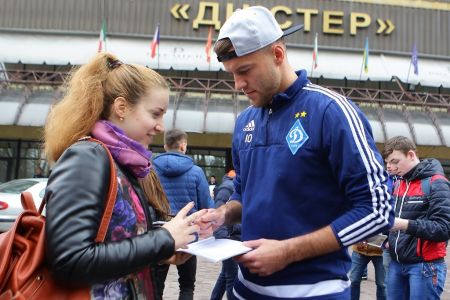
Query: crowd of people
308,182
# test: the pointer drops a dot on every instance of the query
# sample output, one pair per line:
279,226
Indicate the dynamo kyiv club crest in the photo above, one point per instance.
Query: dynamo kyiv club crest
296,137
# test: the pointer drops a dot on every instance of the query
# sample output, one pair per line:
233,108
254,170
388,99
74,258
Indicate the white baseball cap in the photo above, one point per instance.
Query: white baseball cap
251,29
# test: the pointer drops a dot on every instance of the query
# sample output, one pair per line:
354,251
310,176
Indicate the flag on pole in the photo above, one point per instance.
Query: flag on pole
415,60
366,56
102,38
315,52
155,42
208,45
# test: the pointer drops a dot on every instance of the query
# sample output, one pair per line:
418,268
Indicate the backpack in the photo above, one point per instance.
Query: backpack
425,183
23,272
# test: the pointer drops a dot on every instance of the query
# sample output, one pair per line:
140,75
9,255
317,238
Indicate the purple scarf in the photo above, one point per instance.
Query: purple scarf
125,151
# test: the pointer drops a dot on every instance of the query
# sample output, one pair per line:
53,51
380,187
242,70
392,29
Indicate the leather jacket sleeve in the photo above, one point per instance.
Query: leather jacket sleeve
75,198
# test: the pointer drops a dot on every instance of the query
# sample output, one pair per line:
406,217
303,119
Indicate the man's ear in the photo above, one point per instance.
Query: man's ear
412,155
183,146
120,107
279,52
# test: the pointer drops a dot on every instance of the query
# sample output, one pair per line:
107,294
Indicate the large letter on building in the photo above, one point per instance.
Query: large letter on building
200,19
358,20
307,17
331,17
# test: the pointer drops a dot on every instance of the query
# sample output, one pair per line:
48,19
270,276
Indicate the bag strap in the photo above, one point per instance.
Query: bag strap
426,185
110,196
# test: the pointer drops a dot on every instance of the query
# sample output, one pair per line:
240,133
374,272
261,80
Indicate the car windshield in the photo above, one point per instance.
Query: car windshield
16,186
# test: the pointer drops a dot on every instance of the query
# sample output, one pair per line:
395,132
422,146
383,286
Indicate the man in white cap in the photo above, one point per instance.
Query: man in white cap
309,179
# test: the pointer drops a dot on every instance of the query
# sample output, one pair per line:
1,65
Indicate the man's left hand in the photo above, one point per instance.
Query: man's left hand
400,224
268,257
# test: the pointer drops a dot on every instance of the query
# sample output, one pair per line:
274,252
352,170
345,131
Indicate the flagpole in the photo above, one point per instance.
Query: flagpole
362,66
106,22
315,54
365,56
413,61
155,49
409,71
209,62
158,50
208,47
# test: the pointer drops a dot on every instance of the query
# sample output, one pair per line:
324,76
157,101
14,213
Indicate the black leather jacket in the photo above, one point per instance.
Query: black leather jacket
75,198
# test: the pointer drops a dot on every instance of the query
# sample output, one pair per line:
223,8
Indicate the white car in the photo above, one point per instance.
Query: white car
10,204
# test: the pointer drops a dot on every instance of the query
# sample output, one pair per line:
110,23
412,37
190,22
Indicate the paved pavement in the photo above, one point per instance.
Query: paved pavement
207,273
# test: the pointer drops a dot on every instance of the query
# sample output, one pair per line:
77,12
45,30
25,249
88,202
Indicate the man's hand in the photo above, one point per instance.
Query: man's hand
268,257
205,230
211,220
400,224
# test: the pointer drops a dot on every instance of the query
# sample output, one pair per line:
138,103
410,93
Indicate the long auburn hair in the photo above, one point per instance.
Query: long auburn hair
89,94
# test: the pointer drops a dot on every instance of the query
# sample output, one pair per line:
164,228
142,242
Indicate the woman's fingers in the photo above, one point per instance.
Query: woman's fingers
185,210
198,214
186,228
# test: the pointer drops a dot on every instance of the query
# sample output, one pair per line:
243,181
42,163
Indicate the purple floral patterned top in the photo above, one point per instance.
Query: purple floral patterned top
127,220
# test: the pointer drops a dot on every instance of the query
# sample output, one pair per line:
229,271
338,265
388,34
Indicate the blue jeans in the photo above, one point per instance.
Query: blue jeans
386,261
359,263
226,279
416,281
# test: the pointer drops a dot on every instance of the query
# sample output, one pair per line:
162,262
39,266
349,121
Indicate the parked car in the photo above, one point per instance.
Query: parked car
10,204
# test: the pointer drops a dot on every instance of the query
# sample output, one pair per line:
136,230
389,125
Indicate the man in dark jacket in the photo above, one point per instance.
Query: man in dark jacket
183,182
418,239
228,274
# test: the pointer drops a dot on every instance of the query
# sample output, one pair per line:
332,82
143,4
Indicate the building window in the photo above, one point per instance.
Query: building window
19,159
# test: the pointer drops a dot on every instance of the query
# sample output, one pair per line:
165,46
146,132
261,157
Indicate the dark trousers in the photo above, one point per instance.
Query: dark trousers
226,279
186,278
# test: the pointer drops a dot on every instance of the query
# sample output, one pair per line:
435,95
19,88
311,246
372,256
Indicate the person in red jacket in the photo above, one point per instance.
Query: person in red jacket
418,239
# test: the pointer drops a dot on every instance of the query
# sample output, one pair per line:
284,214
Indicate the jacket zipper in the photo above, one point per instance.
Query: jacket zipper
400,214
267,126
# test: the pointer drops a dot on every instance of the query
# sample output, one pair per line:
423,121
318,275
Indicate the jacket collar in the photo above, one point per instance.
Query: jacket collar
426,168
284,97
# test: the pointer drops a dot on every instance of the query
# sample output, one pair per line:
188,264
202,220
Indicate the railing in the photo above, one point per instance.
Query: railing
187,84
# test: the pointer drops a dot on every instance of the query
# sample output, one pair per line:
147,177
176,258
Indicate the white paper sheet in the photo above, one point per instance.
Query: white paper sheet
377,240
216,250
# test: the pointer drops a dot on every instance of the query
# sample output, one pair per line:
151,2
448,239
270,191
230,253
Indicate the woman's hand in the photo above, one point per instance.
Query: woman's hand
182,227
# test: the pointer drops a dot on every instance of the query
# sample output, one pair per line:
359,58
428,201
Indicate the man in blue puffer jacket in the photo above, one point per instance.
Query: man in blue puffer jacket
183,182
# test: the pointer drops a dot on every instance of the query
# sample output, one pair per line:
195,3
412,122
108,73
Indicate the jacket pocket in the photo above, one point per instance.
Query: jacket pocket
415,202
428,269
418,200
